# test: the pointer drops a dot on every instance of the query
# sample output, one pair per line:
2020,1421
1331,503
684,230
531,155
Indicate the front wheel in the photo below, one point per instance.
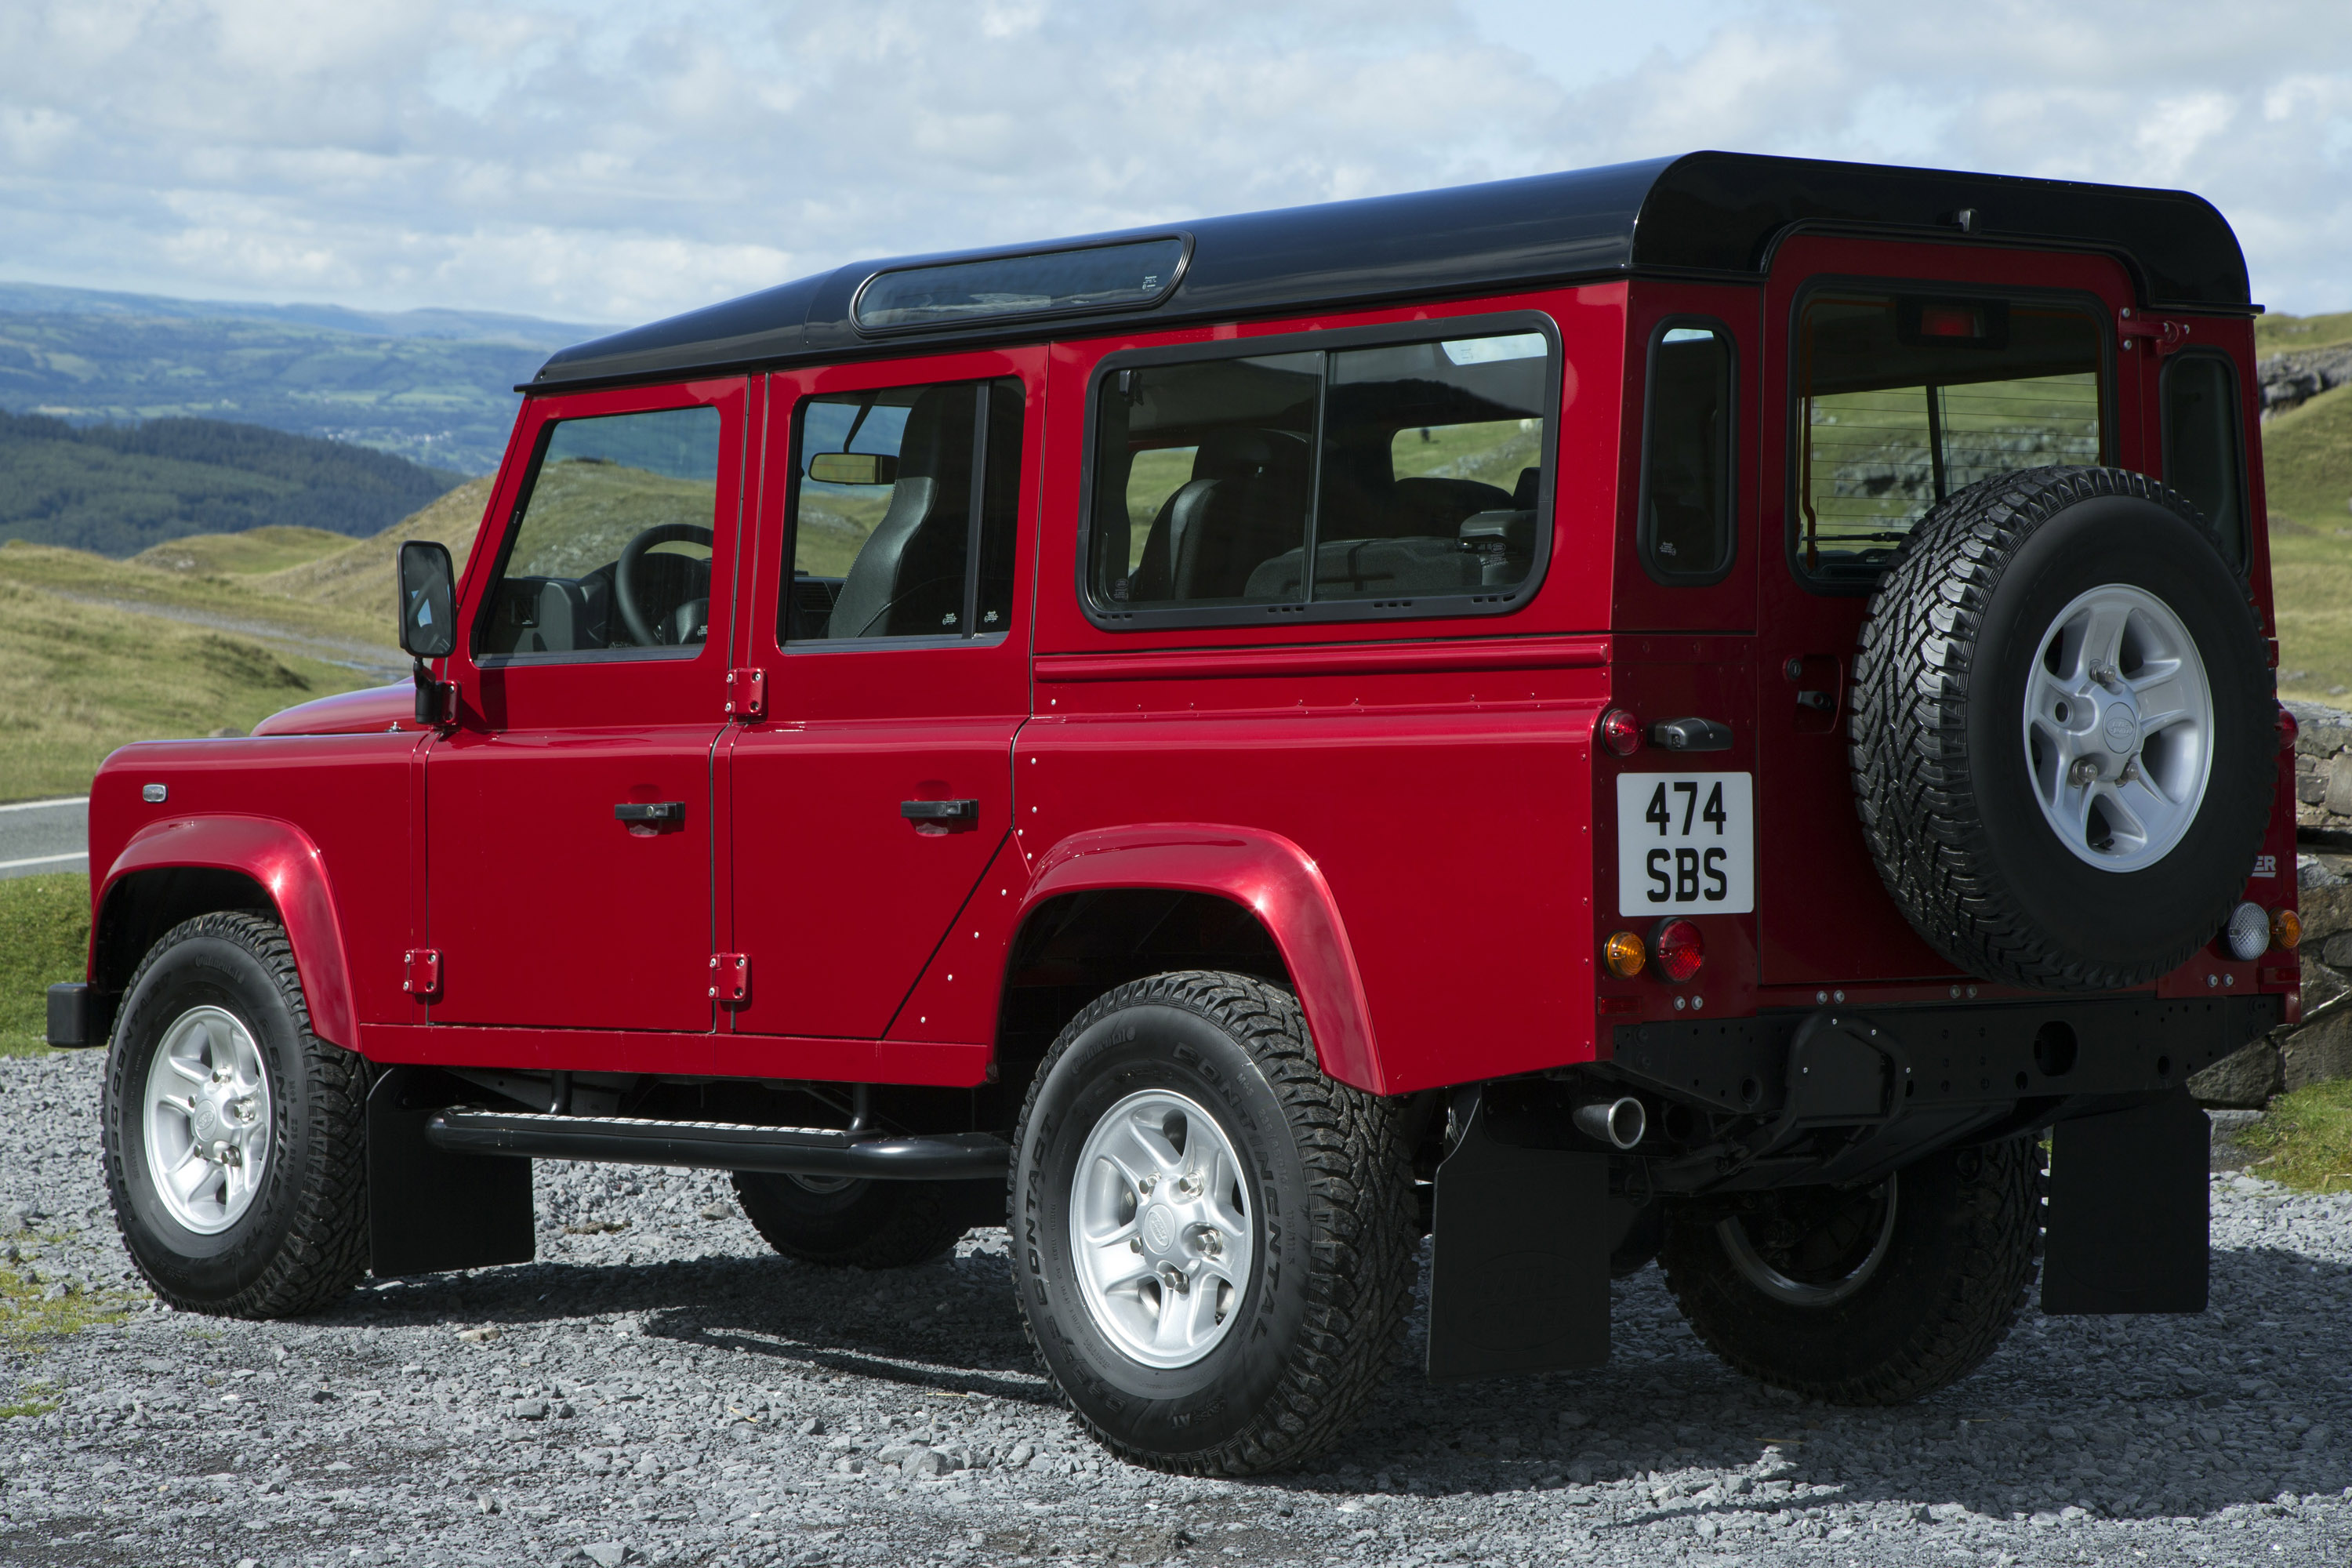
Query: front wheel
1876,1295
234,1139
1213,1244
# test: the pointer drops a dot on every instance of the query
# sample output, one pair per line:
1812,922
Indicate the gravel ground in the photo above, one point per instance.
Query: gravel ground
659,1388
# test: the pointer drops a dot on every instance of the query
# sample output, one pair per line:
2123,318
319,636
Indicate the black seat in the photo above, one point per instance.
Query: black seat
1246,503
908,579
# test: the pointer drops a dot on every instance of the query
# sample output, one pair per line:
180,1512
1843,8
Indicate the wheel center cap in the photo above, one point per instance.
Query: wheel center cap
207,1119
2121,728
1159,1227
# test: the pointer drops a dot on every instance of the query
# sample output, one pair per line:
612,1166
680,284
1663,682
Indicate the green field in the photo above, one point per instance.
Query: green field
2306,1140
2280,335
44,937
2307,474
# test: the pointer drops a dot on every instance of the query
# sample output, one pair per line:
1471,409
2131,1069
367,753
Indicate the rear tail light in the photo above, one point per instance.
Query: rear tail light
2249,932
2286,929
1620,732
1680,951
1623,954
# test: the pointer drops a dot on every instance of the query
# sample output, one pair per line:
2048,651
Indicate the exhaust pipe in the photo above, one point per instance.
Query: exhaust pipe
1619,1124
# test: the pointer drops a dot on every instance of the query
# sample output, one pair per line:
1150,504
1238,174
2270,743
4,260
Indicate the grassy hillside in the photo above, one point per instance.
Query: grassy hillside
2277,334
120,490
357,580
44,937
243,554
2307,473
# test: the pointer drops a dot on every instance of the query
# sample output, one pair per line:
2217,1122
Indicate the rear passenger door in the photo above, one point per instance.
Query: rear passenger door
889,611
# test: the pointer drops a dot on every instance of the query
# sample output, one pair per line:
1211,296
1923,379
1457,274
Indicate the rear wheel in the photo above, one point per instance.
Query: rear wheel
1868,1296
234,1140
849,1222
1213,1244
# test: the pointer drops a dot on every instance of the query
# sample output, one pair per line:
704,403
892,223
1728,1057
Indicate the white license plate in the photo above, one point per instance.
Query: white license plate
1686,844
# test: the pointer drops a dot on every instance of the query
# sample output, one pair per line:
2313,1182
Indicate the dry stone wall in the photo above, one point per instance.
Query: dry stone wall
2319,1048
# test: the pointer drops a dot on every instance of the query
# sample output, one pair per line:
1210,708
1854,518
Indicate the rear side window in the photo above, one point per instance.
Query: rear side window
887,483
2204,443
609,556
1905,400
1361,478
1688,528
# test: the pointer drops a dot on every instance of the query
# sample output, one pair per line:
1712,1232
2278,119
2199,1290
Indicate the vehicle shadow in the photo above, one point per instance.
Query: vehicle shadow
2122,1417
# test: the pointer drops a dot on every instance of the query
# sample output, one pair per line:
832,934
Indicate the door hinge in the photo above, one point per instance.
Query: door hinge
747,694
730,976
424,964
2167,335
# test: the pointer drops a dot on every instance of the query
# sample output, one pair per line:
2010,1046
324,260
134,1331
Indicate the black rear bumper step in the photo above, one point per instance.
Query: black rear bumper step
720,1146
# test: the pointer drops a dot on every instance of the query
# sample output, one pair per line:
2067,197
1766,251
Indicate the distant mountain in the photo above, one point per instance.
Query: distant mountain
433,385
120,490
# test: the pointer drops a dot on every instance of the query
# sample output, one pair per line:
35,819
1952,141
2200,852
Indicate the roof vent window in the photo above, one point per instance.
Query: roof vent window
1100,276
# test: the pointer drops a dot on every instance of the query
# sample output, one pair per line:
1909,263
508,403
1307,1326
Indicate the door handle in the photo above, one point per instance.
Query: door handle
951,813
650,811
1691,735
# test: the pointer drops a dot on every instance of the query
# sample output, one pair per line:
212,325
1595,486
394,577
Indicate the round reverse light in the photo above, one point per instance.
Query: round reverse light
1681,950
2249,930
1620,732
1623,955
2286,929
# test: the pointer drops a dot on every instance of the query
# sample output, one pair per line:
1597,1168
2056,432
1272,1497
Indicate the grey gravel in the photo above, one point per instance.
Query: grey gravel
661,1389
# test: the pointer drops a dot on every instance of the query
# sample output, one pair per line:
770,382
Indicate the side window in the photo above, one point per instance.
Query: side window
1902,401
884,493
609,553
1401,470
1688,527
2204,443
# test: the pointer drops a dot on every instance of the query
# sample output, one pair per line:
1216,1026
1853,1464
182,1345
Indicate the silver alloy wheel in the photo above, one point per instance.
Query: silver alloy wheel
207,1123
2118,728
1160,1229
1741,1250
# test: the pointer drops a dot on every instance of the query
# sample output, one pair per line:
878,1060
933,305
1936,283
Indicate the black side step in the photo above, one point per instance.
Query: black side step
720,1146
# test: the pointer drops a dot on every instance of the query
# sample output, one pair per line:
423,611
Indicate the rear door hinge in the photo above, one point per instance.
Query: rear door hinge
747,694
2167,335
730,976
424,967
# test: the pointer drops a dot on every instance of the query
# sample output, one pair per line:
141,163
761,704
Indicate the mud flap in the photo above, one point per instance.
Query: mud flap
1518,1280
2128,1227
427,1210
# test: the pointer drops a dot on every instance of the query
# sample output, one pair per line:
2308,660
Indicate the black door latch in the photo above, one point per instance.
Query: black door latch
1691,735
949,812
650,811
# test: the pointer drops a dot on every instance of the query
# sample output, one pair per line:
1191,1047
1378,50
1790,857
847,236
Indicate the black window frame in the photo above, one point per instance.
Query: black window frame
975,536
1309,610
2206,353
510,531
1645,534
1938,290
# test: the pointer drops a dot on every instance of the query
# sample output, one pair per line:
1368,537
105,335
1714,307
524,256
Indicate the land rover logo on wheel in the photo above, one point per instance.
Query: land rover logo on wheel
1159,1230
2122,728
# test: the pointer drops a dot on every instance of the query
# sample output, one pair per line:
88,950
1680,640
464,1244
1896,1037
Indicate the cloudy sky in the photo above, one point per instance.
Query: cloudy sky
617,160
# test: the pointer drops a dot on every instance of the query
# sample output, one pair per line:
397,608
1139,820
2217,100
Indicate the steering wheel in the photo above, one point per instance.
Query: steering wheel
690,617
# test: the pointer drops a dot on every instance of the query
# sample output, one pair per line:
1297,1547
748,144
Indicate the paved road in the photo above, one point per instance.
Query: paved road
40,836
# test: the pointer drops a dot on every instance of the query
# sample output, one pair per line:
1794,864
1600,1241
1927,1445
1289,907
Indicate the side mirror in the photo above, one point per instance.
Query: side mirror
854,468
428,619
428,595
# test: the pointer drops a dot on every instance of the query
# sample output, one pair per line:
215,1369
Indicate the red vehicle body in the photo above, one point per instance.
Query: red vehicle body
1409,819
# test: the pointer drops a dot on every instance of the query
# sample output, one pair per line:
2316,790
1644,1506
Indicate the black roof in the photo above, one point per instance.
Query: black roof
1716,215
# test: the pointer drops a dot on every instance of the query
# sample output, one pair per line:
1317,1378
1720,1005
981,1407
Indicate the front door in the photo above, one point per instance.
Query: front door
891,615
570,828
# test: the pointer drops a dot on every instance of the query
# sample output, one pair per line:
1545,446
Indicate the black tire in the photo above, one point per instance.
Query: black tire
859,1224
1941,768
302,1244
1958,1264
1333,1241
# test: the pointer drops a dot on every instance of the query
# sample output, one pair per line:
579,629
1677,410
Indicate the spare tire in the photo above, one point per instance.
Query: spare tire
2063,729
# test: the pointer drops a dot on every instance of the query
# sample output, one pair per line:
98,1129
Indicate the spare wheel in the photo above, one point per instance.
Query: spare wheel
2063,730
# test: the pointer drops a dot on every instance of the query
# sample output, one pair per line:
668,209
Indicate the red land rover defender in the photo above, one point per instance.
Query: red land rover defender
1686,712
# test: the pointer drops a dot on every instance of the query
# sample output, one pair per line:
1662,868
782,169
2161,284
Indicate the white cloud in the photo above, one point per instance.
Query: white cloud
618,159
